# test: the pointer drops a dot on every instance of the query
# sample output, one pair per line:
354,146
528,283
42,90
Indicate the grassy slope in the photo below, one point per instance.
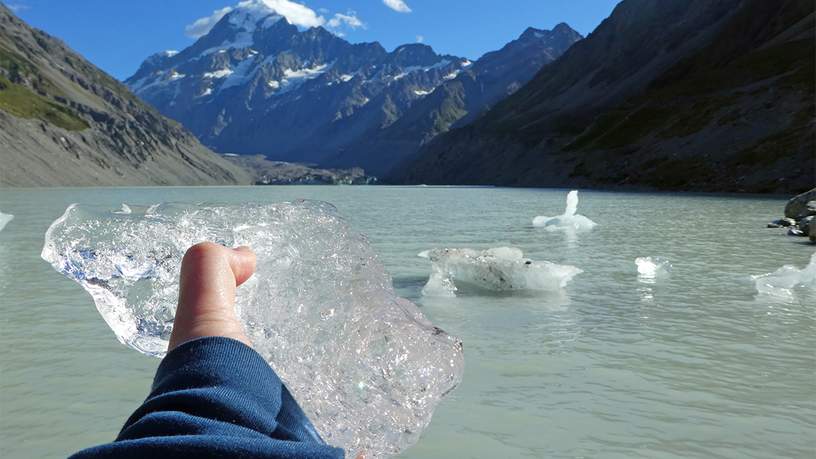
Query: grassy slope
18,100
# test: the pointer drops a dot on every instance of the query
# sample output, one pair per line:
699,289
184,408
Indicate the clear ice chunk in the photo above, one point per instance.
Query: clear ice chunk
125,210
650,268
783,281
5,219
499,269
367,366
570,220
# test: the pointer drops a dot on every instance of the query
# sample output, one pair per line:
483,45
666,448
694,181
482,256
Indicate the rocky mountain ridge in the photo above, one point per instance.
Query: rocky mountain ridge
670,94
460,100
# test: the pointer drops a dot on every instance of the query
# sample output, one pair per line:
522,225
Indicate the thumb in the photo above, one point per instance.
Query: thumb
242,263
210,274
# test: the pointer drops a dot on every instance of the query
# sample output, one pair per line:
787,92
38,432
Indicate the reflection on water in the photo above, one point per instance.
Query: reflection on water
697,365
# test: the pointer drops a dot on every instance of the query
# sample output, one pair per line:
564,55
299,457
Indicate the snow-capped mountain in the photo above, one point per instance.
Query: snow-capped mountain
466,95
256,84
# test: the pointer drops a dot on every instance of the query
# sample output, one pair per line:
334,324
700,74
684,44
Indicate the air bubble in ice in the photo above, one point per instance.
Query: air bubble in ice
569,220
499,269
367,367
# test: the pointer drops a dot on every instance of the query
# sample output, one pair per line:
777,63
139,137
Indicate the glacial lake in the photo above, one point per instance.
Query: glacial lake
694,365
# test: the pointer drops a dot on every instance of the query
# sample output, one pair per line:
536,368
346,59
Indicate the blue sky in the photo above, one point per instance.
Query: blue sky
117,35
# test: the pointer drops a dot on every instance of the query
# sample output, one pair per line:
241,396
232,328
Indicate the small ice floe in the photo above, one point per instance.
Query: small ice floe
4,219
652,268
125,210
783,281
499,269
569,220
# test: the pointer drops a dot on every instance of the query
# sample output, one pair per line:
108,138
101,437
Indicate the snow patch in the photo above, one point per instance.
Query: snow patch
243,72
223,73
293,79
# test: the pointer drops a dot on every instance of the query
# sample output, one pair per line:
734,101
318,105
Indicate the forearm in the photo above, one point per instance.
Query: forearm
216,397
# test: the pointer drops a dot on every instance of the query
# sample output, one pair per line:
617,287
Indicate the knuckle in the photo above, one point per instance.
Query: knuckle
202,250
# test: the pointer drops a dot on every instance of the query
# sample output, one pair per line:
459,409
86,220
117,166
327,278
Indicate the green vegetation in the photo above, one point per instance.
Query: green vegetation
16,67
621,128
796,137
19,70
22,102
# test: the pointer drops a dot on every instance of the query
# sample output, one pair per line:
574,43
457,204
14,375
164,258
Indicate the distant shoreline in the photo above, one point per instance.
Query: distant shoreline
724,194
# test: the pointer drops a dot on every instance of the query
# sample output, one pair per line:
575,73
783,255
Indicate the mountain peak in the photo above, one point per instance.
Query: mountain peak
562,27
250,15
532,33
560,30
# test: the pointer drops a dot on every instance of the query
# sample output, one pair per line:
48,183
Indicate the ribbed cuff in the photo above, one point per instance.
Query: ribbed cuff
217,360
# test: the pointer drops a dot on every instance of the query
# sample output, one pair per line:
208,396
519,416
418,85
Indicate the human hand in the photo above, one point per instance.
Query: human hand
210,274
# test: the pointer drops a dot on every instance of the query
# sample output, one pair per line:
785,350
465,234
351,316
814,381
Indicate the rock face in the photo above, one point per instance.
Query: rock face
800,213
802,205
669,94
805,225
65,122
256,84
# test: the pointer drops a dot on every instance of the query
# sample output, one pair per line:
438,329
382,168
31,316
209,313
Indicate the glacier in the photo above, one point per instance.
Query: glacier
569,220
500,269
5,219
783,281
366,366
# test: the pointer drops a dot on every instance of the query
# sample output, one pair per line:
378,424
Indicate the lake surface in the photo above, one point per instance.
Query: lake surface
696,365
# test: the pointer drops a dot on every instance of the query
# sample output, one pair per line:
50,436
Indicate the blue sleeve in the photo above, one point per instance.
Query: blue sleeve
216,397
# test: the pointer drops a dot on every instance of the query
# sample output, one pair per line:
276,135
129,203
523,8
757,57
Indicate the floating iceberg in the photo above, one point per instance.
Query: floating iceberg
569,220
653,267
125,210
367,367
500,269
4,219
784,280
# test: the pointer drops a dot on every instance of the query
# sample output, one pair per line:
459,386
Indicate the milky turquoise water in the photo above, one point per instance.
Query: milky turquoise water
692,366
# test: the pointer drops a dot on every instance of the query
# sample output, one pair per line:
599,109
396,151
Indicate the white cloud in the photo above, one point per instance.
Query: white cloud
17,7
349,20
420,38
203,25
397,5
296,13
